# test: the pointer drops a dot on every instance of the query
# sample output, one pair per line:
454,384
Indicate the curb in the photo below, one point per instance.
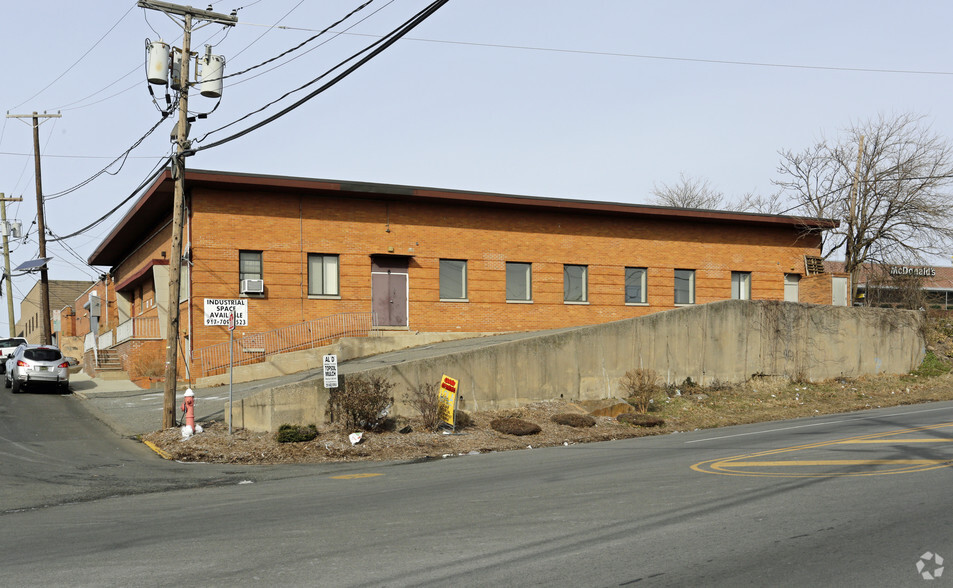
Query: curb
159,451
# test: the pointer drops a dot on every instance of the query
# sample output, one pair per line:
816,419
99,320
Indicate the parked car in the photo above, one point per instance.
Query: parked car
8,346
37,364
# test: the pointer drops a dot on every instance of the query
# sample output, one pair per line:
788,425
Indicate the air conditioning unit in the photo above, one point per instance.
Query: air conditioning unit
253,286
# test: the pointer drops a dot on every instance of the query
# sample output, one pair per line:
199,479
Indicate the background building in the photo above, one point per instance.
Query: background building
63,294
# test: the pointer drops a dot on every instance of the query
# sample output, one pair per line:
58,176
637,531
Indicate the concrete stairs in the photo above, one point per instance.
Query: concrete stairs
109,366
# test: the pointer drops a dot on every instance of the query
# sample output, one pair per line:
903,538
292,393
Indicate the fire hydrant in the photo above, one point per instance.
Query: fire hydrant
188,407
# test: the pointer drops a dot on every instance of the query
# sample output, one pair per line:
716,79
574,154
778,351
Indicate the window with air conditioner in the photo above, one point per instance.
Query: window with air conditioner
250,277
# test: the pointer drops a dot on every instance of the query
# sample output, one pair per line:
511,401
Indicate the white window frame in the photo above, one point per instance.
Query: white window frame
244,275
329,266
568,269
687,275
741,285
521,275
643,284
451,269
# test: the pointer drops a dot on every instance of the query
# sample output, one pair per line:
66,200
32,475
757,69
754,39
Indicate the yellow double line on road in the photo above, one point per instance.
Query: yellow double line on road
754,464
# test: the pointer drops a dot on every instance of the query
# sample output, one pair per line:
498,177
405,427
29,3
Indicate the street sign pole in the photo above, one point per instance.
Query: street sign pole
231,348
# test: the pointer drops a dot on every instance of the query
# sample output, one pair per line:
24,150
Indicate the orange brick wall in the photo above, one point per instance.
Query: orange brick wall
286,227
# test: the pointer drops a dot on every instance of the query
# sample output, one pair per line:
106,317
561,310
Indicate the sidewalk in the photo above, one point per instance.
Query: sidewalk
130,410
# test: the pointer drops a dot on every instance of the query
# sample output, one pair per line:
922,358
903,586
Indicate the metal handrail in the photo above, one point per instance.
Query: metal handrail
254,348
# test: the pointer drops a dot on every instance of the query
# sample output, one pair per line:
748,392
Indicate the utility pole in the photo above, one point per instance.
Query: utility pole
45,315
6,261
852,228
178,175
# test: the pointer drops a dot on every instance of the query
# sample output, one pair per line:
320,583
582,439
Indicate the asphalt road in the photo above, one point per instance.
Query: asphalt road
53,452
845,500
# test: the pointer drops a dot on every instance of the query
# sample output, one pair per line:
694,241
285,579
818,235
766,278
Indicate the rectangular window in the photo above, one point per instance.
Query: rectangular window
322,275
741,285
519,281
684,286
453,279
635,285
575,286
249,265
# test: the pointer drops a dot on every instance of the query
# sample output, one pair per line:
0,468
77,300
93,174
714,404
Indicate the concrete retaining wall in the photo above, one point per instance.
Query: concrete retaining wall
345,349
727,341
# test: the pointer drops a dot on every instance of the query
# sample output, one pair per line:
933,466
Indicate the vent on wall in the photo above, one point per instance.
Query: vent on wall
253,287
813,264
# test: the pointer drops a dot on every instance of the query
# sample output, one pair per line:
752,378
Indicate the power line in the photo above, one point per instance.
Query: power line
75,63
378,47
153,175
300,45
105,170
336,35
635,55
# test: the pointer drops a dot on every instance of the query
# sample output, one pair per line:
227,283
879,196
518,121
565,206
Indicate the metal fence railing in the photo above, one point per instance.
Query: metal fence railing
213,360
146,327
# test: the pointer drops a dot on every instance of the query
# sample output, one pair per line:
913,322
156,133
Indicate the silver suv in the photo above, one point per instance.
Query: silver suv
8,346
31,364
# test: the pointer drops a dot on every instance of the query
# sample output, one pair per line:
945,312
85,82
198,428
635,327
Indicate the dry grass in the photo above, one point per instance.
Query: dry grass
755,401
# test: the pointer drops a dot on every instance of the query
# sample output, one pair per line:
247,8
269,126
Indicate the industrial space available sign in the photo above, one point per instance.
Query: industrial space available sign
217,311
447,399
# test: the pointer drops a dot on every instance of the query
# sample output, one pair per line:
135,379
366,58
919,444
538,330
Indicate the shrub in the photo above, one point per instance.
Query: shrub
640,419
932,366
425,399
514,426
296,433
361,402
573,419
146,362
640,387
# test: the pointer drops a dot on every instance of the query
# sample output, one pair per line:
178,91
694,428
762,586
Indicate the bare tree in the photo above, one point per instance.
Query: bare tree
900,209
688,192
751,202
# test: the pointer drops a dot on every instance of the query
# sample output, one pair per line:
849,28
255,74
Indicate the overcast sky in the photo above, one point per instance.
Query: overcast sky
584,100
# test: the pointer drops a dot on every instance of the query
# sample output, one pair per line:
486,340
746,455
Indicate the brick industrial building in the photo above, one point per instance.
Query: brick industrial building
426,259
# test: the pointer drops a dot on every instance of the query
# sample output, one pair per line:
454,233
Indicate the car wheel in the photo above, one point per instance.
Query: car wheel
6,381
17,387
64,387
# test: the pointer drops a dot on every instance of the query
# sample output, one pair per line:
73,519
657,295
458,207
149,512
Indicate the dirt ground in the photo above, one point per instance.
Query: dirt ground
215,445
755,401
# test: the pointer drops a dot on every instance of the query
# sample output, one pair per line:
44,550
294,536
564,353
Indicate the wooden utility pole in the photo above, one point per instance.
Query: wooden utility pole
178,206
852,228
6,261
45,314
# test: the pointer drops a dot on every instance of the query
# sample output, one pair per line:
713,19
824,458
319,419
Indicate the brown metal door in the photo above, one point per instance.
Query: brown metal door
389,291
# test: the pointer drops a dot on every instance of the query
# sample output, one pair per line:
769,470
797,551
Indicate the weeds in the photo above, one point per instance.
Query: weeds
931,366
425,399
296,433
362,402
641,388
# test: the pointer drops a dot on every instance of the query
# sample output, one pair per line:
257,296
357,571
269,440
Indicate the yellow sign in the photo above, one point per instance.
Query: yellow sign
447,399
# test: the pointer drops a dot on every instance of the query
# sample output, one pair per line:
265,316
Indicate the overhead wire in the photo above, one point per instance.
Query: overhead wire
299,45
372,51
300,55
105,170
81,57
160,167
